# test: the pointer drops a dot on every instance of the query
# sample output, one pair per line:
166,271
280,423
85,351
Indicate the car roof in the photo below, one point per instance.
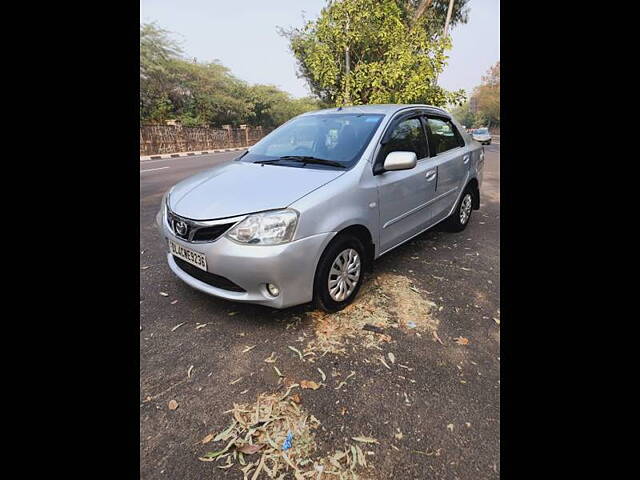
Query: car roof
385,109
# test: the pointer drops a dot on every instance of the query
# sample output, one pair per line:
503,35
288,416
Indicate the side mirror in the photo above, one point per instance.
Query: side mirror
400,161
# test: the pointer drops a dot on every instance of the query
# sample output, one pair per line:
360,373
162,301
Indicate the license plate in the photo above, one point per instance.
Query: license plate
194,258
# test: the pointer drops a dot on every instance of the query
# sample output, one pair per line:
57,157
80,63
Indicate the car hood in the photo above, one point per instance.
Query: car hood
238,188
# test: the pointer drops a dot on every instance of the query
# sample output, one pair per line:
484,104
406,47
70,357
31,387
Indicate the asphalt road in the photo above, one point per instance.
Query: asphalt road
451,428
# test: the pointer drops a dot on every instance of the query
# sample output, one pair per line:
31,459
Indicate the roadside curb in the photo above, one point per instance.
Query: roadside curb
190,154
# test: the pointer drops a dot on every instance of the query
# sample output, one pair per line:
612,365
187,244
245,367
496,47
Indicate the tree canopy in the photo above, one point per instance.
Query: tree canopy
174,88
483,110
375,51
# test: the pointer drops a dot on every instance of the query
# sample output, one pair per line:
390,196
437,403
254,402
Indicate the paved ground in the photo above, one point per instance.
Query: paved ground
454,398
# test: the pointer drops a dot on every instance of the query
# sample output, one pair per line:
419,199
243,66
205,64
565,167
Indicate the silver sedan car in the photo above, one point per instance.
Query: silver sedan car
482,135
302,214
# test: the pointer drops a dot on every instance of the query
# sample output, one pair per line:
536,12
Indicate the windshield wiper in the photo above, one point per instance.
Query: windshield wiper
313,160
302,159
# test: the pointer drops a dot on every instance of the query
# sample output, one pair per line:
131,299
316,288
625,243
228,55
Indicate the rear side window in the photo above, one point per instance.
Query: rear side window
443,135
407,136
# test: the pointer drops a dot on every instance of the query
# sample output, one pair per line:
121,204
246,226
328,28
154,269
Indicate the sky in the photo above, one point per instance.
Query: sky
242,35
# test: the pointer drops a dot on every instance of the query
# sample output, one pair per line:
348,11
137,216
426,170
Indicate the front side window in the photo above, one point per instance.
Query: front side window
406,136
442,135
334,137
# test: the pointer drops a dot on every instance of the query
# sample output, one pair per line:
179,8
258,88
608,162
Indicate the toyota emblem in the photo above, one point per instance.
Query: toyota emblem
181,228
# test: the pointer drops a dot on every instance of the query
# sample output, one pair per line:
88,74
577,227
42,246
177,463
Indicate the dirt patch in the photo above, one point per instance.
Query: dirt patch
385,302
275,436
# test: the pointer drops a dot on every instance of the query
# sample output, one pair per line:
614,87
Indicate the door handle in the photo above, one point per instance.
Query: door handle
431,175
465,159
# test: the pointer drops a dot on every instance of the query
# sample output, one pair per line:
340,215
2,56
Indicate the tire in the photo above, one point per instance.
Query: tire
457,222
343,247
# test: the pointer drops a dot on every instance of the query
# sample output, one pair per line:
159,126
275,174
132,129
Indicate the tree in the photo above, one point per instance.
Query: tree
157,51
273,107
173,88
368,51
487,96
208,94
464,115
434,12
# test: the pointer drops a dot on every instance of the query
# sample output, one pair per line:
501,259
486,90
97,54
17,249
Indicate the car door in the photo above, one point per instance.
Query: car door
452,161
404,195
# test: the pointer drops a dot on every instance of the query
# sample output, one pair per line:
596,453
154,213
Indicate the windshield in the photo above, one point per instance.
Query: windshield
482,131
335,137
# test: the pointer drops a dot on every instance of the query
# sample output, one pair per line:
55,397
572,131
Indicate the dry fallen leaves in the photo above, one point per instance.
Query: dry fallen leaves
262,428
173,404
385,302
365,439
437,338
248,349
164,294
306,384
461,341
250,449
207,439
297,351
271,358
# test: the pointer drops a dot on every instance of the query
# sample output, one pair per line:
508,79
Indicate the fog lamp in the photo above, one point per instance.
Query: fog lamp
273,290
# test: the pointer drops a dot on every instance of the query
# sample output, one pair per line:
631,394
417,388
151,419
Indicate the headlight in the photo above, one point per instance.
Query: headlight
268,228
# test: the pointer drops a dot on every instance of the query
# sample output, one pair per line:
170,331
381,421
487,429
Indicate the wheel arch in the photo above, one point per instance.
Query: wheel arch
473,185
363,234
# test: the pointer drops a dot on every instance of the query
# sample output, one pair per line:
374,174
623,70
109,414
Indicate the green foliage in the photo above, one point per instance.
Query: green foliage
172,88
392,59
436,14
487,96
273,107
464,115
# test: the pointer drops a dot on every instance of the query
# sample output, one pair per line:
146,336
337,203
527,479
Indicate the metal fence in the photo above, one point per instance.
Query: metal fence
157,139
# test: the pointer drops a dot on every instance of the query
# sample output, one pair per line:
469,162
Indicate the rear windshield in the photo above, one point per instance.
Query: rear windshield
336,137
481,131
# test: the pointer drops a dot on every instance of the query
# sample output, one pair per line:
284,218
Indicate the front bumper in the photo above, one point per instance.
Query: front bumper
290,266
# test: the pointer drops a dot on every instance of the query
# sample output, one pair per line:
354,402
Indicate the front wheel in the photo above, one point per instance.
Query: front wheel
339,274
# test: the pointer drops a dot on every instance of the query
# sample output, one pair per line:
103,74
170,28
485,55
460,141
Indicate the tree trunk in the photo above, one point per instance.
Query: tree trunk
420,10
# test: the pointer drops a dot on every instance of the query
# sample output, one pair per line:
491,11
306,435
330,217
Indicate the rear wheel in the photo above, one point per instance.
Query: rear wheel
339,273
459,219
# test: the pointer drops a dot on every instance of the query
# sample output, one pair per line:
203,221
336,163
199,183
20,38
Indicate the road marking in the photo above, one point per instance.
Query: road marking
152,169
187,156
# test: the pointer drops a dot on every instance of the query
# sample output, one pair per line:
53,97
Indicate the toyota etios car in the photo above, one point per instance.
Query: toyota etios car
301,214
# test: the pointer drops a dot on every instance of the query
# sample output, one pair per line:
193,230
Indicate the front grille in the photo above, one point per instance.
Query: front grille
195,231
209,234
212,279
